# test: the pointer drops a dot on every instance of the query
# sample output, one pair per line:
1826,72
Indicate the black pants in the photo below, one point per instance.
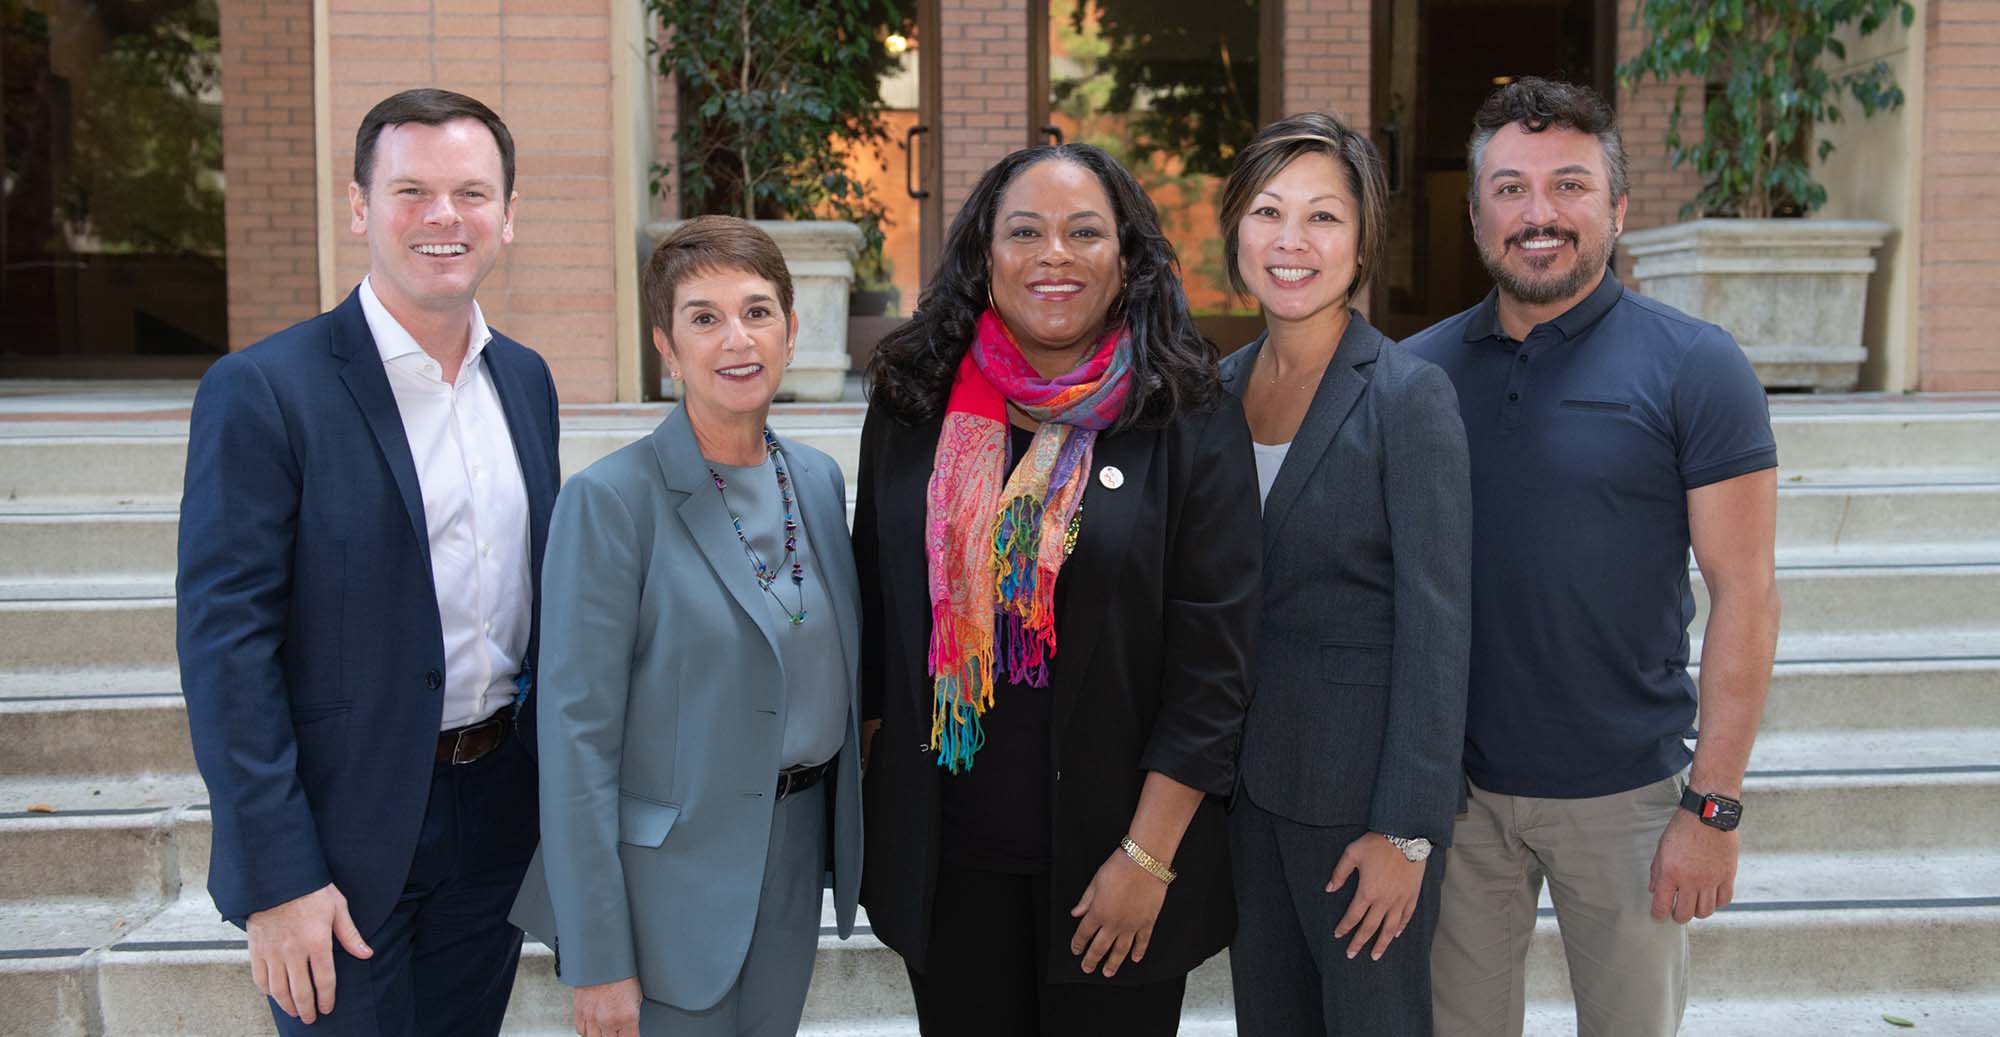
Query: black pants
988,966
1291,977
444,959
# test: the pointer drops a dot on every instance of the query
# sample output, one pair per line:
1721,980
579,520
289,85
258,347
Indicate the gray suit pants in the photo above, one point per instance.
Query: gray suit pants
1291,977
769,996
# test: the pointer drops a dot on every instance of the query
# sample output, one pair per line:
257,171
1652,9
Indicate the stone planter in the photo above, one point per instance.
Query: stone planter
820,255
1791,291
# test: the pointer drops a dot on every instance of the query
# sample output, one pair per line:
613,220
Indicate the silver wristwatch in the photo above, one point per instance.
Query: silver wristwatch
1413,849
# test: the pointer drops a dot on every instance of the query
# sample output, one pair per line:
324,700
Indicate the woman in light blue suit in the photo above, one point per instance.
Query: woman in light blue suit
697,697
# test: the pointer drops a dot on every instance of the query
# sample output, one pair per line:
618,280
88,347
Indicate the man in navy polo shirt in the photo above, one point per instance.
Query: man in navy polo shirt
1609,434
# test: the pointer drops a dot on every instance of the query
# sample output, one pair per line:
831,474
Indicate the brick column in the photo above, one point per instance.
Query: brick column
1658,189
270,233
984,85
545,67
1325,58
1957,347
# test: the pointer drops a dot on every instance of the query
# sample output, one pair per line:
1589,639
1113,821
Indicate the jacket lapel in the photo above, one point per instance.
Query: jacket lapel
1339,390
1089,578
368,382
516,393
708,522
826,525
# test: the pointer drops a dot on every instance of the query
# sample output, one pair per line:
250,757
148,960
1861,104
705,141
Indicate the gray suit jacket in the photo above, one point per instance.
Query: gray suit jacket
662,710
1358,712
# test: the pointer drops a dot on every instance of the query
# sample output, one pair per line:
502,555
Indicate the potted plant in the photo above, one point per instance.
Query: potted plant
774,94
1792,290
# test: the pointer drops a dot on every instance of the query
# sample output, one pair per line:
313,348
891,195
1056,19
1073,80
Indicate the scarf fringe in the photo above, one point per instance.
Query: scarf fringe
961,656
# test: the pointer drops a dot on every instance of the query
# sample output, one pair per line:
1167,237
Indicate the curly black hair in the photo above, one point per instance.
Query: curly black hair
1538,104
1173,366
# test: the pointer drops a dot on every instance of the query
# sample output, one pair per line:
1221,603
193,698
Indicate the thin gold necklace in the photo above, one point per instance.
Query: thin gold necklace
1269,352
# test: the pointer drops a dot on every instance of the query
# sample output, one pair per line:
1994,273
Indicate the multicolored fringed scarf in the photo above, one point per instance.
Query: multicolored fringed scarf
995,549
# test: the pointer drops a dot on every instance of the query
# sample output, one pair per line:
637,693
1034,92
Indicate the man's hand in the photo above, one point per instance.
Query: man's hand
1118,910
1385,897
606,1009
1694,870
291,950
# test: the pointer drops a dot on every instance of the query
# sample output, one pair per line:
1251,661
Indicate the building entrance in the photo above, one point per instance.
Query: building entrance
1435,61
111,229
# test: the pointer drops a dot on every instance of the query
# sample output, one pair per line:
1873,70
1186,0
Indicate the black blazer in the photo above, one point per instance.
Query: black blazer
1359,712
1152,673
311,652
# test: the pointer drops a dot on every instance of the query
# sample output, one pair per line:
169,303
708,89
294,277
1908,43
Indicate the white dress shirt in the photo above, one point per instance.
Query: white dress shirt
475,508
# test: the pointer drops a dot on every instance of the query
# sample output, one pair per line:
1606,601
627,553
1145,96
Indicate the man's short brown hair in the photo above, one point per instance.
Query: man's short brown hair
707,244
428,106
1273,148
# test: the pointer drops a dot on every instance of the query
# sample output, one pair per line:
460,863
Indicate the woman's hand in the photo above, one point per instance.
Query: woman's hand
607,1009
1118,910
1386,897
868,729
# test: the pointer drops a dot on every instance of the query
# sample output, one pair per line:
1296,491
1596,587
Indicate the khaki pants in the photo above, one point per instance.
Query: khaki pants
1627,971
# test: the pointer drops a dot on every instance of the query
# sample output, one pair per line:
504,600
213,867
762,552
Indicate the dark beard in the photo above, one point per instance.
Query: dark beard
1540,292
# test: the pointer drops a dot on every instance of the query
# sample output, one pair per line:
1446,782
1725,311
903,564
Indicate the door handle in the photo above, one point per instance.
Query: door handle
910,163
1053,132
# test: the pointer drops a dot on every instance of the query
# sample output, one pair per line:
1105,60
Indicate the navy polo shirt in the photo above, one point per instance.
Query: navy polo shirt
1585,440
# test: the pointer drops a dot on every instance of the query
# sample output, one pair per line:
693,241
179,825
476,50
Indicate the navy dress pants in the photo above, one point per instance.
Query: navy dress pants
444,959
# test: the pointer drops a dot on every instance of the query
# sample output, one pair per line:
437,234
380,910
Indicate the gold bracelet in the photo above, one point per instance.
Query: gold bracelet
1154,866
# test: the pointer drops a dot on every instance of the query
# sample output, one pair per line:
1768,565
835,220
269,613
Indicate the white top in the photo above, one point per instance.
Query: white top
1270,458
475,508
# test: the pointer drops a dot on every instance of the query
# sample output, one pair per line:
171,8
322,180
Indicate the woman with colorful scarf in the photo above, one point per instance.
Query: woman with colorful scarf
1057,538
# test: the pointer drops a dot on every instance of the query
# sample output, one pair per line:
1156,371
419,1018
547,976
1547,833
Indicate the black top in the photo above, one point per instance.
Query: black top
1585,440
1159,605
995,817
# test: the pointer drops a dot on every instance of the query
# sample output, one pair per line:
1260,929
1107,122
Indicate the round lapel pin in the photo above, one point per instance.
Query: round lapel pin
1111,477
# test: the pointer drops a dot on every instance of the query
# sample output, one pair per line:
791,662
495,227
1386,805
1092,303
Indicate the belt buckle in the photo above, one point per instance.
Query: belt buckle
460,754
785,779
458,747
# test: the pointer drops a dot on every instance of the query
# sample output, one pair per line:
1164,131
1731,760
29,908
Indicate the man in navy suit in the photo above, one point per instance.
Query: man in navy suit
360,550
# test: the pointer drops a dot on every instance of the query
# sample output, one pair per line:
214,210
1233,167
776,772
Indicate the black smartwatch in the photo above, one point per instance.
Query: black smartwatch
1715,811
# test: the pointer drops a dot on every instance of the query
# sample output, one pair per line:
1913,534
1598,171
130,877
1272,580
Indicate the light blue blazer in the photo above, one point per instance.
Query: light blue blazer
662,710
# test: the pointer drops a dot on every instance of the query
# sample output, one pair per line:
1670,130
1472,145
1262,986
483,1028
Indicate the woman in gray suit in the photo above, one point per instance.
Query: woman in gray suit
697,695
1350,767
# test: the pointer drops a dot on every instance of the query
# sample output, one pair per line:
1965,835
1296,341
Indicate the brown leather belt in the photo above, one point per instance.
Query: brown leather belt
462,745
799,779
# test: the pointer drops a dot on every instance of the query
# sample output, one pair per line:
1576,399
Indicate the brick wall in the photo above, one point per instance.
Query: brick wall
1658,189
271,234
984,85
1957,315
1325,59
545,67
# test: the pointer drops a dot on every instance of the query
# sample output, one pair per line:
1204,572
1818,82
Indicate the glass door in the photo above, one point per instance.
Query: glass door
1173,89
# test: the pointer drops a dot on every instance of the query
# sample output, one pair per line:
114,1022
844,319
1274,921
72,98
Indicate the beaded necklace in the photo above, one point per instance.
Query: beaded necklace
767,575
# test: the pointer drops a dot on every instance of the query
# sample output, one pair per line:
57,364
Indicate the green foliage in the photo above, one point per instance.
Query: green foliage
769,89
1765,63
1184,70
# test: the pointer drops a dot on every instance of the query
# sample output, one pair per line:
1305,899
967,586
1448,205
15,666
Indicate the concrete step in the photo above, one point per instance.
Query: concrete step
1888,523
117,736
1865,696
1818,526
1904,956
1818,444
55,626
1893,441
68,543
130,735
1887,601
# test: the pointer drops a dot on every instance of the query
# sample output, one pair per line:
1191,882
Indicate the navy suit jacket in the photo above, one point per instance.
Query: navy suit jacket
311,652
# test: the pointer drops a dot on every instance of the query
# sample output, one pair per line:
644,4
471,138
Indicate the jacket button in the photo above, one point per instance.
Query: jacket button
433,680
